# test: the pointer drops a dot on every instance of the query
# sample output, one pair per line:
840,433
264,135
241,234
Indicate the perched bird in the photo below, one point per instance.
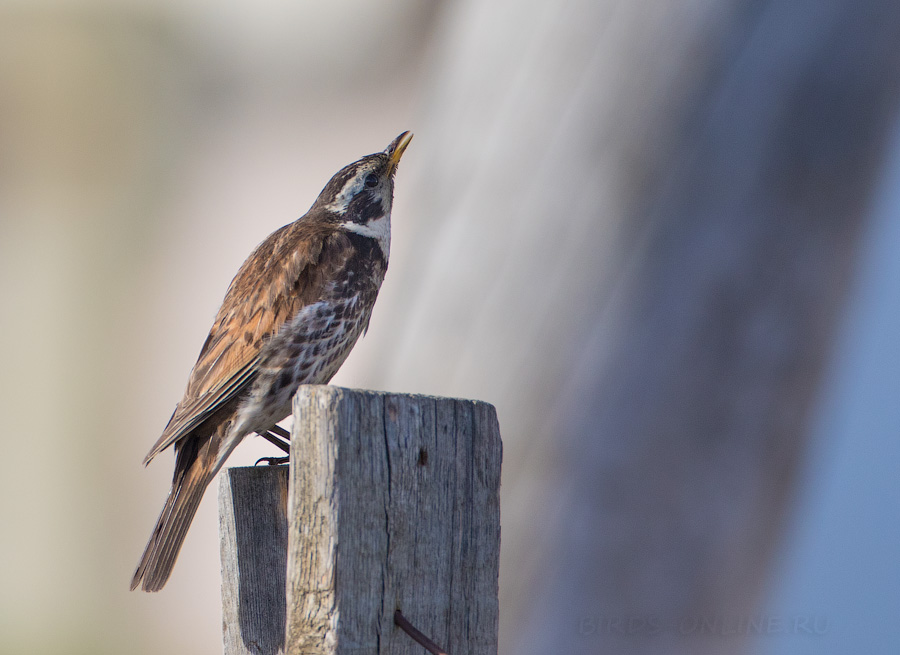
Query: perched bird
291,316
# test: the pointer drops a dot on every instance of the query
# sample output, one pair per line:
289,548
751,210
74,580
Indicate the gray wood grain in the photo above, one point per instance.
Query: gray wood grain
253,527
393,504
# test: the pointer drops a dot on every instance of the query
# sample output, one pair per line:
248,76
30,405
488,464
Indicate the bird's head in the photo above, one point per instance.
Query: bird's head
359,196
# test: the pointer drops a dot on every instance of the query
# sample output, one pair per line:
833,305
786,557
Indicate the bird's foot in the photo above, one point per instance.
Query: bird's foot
273,461
283,445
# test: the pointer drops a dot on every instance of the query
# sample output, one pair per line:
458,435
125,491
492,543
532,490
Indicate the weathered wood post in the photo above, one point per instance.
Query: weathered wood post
391,503
253,528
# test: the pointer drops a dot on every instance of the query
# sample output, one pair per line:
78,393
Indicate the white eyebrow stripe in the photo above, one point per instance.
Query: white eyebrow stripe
342,200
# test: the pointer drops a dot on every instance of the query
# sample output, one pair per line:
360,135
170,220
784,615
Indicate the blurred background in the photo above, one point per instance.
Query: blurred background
660,237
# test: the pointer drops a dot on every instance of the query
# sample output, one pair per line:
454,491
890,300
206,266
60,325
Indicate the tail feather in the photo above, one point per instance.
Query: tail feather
171,527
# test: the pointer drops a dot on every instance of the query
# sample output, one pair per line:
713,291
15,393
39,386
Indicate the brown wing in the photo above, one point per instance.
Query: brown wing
272,285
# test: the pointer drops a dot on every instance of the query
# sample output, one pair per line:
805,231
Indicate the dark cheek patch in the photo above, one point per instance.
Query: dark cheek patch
365,207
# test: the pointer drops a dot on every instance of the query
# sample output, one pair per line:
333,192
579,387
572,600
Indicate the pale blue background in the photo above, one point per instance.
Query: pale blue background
841,557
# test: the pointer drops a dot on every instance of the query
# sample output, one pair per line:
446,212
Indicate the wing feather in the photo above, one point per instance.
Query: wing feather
270,288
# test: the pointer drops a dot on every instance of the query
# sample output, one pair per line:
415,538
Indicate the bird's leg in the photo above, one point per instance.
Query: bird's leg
275,441
271,438
281,432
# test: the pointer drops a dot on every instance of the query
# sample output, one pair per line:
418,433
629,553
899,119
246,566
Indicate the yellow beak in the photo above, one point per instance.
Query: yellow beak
396,149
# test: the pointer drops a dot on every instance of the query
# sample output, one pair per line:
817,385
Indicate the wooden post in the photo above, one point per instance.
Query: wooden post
253,527
392,503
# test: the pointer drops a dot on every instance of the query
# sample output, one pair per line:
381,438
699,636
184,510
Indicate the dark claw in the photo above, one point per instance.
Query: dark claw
272,461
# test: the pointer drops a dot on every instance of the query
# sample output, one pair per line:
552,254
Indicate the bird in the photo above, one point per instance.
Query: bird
290,316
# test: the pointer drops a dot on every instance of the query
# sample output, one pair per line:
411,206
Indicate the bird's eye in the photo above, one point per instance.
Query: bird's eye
371,180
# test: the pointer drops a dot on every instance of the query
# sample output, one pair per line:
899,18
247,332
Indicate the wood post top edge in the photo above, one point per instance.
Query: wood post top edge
328,389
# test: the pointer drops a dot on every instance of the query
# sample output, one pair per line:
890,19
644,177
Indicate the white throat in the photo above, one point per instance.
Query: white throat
379,229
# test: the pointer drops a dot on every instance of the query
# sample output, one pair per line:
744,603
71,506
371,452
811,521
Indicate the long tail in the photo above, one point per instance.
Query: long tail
159,556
